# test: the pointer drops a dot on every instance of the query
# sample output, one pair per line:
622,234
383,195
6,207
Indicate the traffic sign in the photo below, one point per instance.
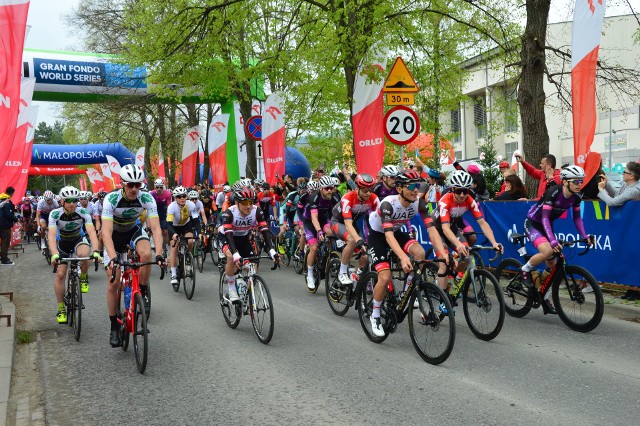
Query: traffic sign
400,79
259,150
254,127
400,99
401,125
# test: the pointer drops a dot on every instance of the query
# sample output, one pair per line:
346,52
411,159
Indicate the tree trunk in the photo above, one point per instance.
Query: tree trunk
531,97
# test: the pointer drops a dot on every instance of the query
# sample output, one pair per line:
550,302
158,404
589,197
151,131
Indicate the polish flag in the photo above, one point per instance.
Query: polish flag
588,16
109,185
114,165
95,179
273,135
218,130
367,119
13,22
190,144
161,173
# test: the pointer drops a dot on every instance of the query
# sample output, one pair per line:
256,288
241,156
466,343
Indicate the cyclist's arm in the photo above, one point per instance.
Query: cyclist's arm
488,232
107,238
453,238
264,228
227,226
577,221
51,237
546,224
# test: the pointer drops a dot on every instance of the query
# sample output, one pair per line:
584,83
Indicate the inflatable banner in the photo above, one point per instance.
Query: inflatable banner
73,155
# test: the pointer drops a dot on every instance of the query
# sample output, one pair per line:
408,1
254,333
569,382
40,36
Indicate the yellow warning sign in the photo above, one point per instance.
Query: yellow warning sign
400,79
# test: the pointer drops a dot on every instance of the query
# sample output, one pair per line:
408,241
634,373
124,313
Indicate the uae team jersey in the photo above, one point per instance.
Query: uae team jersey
449,210
391,215
123,212
234,222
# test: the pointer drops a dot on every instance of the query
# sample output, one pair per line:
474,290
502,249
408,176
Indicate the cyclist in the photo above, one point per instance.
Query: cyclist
387,185
315,219
353,206
199,210
385,235
97,217
182,220
266,199
162,197
538,225
43,209
237,221
210,208
120,230
445,226
312,186
27,213
66,236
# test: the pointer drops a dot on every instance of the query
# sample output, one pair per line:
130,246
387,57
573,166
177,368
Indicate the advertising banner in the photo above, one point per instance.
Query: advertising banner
273,135
190,144
218,131
73,155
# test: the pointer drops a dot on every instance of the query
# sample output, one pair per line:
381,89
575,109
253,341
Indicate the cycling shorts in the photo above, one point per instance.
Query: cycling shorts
183,230
310,231
244,244
66,248
379,249
123,241
535,232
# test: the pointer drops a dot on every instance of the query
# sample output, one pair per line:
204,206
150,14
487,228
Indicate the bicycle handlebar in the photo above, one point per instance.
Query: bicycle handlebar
589,240
66,260
478,248
134,265
173,243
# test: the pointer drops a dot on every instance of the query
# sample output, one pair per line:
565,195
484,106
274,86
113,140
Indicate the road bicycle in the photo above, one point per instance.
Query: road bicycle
72,294
186,267
199,253
290,243
482,298
45,251
577,297
255,300
431,321
133,320
341,297
327,250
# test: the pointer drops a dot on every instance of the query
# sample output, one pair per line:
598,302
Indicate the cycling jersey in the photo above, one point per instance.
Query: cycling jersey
69,225
391,215
234,222
351,207
46,208
179,216
318,204
162,202
381,190
199,206
97,208
450,211
125,213
89,208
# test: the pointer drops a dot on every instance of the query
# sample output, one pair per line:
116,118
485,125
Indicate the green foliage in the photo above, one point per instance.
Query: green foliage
490,171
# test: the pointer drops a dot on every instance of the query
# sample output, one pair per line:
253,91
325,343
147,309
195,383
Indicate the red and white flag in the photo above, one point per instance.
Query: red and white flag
367,119
140,157
218,130
25,134
588,16
190,144
109,184
161,173
95,179
114,166
273,135
13,22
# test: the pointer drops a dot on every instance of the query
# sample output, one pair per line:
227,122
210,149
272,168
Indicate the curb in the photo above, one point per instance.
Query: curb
7,350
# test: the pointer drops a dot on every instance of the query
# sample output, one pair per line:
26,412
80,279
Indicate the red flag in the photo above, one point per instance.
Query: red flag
273,135
189,156
367,120
588,16
114,166
22,178
161,173
13,22
218,148
95,178
108,180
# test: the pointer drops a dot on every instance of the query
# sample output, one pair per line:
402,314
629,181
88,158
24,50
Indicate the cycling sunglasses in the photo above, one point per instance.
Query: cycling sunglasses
461,191
133,184
329,188
246,202
181,196
71,200
412,186
576,181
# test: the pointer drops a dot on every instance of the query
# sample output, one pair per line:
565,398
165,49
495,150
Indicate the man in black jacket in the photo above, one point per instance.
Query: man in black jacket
7,219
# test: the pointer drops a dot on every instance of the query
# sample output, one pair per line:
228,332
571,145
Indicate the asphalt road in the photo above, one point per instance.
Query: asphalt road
319,368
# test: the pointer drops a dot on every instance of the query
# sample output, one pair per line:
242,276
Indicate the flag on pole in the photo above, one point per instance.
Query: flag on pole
161,173
190,144
588,16
109,184
140,157
22,179
273,137
114,165
95,179
218,131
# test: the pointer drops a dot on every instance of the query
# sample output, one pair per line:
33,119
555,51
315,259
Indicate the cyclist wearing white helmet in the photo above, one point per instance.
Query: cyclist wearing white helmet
387,184
194,197
538,225
121,210
162,198
44,207
66,237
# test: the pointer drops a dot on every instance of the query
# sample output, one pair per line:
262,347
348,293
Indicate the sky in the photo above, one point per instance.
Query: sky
49,31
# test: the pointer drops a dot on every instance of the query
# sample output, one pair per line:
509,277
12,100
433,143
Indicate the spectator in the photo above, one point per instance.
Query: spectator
593,170
7,219
431,189
547,176
514,188
479,183
630,189
504,168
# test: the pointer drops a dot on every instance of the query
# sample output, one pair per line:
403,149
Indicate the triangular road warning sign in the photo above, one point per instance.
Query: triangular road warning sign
400,79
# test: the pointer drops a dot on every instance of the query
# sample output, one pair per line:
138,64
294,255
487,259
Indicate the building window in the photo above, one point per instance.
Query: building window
509,149
511,109
458,155
480,117
455,125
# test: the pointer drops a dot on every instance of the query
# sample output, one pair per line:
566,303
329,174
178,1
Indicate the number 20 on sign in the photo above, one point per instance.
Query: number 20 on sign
401,125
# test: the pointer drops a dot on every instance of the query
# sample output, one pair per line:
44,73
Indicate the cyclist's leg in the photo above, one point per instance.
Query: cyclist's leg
143,248
43,232
173,255
82,250
312,241
535,233
58,286
441,252
339,230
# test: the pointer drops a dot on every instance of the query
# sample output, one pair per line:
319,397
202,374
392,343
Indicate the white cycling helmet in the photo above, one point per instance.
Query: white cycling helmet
179,190
56,197
193,194
226,188
313,185
85,194
461,179
244,182
131,173
48,195
326,181
572,172
69,192
159,182
389,171
40,198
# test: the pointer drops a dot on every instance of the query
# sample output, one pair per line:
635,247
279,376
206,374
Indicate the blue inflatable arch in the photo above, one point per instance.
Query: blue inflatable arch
58,155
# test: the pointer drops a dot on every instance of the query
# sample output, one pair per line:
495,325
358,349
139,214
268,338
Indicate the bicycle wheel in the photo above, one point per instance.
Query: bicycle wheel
286,257
199,255
180,271
483,305
261,309
298,261
230,311
76,308
213,249
121,313
47,255
336,292
189,276
147,296
516,294
579,310
140,337
432,332
364,304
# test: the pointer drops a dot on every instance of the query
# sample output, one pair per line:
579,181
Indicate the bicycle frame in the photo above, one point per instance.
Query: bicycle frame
469,272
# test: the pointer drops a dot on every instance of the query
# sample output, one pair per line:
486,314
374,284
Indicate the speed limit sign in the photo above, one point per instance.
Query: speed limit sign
401,125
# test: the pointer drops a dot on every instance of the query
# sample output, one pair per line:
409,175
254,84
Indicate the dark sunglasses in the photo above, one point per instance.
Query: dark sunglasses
133,184
576,181
412,186
329,188
181,196
159,187
461,191
246,202
627,173
71,200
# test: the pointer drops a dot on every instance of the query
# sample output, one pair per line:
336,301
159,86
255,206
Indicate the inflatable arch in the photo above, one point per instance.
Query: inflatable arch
72,155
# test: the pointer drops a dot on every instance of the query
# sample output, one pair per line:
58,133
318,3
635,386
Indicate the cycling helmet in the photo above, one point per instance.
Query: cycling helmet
26,200
407,176
434,173
314,185
159,182
244,193
40,198
131,173
85,194
69,192
572,172
56,197
336,181
503,165
364,180
389,171
144,187
461,179
193,194
226,188
180,190
302,186
245,182
48,195
326,181
102,194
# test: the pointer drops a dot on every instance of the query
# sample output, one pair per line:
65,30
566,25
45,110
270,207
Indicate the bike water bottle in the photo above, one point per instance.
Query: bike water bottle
240,287
127,295
353,275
